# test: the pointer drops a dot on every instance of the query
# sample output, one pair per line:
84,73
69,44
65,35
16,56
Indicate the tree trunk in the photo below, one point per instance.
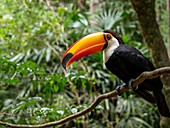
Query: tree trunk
168,22
82,5
94,4
145,10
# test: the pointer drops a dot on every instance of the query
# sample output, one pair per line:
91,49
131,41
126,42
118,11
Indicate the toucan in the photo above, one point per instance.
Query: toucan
124,61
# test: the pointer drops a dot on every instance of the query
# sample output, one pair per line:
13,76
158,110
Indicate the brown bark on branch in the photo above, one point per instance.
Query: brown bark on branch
135,82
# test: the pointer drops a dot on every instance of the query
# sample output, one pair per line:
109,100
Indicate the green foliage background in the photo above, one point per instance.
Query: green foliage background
34,88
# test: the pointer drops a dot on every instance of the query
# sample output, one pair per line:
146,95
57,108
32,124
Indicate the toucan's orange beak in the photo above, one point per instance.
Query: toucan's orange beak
87,45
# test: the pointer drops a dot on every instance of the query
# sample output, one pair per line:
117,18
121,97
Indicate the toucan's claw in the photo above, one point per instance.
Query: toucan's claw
130,85
118,89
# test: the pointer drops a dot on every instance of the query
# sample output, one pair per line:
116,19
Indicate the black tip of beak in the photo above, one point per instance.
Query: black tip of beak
66,59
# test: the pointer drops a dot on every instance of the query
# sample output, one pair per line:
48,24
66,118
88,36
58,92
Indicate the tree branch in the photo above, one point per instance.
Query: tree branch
137,81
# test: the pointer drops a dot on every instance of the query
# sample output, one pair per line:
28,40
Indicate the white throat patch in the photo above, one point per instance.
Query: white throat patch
112,45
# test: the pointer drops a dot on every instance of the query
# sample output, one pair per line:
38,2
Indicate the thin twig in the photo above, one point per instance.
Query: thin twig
2,84
137,81
14,75
51,8
11,78
25,4
8,114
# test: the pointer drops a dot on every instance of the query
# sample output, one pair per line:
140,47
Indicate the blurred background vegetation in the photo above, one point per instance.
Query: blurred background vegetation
34,88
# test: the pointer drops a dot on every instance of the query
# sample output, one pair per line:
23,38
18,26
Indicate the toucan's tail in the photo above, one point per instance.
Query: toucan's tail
146,95
161,103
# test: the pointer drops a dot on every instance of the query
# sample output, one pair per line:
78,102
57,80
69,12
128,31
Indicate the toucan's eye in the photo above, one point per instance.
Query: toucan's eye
109,37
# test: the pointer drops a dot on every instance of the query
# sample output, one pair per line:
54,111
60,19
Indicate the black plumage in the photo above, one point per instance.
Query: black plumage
127,63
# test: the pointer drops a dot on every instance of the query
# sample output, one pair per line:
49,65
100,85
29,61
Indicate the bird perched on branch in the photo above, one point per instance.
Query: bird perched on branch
125,61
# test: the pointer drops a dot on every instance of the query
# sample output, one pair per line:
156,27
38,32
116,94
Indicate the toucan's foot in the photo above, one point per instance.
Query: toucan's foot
130,85
118,89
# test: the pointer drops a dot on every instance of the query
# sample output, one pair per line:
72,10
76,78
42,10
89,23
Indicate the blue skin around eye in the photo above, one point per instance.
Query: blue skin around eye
108,37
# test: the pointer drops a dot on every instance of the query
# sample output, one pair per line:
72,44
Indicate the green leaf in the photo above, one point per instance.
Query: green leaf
56,88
